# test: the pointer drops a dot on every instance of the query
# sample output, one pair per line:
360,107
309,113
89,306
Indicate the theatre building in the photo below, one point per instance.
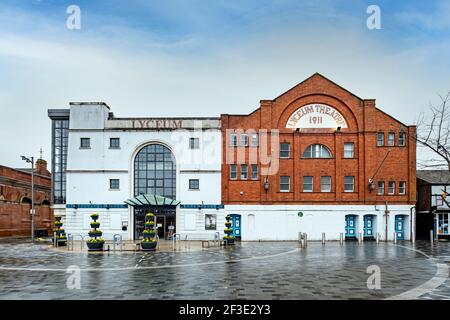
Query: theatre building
318,159
315,159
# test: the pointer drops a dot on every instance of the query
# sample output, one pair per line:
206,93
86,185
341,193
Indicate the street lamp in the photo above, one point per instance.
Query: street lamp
31,160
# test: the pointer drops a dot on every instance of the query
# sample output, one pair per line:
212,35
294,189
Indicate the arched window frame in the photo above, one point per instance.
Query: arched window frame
317,151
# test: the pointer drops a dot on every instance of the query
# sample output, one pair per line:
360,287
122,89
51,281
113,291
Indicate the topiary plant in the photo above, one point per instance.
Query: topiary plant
228,231
149,242
60,232
95,243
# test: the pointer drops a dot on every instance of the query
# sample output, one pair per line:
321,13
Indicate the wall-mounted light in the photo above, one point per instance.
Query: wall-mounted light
266,183
338,129
371,185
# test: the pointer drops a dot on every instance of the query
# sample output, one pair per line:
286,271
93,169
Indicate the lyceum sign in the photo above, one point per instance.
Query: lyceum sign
316,116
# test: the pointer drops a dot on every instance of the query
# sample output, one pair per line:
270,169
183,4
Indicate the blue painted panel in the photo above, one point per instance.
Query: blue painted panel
350,226
236,225
368,226
400,227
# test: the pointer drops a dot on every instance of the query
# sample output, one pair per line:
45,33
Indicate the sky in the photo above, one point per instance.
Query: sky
207,57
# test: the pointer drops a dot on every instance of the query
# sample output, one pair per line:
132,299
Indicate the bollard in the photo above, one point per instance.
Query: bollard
395,238
360,238
341,238
323,238
431,237
305,240
55,243
413,237
378,237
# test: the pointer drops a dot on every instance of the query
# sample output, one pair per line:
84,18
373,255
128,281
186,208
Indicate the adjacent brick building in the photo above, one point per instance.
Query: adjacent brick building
15,200
339,162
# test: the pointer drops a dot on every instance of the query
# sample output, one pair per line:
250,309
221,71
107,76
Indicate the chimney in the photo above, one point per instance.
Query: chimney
41,167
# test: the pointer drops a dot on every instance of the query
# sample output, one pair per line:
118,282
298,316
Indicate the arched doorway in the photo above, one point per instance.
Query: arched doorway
155,175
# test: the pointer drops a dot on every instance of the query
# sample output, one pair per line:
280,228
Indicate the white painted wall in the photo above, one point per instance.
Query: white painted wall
277,222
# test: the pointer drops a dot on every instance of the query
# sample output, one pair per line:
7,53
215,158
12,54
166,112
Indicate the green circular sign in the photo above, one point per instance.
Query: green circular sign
300,214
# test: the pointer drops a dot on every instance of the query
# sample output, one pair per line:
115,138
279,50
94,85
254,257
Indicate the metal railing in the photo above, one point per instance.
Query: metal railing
117,239
70,241
174,240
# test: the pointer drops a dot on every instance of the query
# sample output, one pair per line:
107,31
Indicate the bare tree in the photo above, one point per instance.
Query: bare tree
433,132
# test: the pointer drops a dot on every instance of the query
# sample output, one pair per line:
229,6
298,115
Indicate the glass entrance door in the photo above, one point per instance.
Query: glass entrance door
165,217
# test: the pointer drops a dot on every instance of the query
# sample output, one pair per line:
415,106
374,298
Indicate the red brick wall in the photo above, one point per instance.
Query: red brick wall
364,120
15,218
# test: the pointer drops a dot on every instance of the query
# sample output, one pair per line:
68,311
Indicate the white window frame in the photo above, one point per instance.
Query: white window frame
308,184
347,152
380,142
255,140
381,185
327,184
118,184
198,184
288,183
391,186
233,140
244,140
402,139
235,172
347,184
195,141
391,139
252,166
288,150
402,187
244,171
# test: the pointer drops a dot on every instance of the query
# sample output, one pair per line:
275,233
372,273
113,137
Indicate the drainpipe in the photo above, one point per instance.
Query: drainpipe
386,213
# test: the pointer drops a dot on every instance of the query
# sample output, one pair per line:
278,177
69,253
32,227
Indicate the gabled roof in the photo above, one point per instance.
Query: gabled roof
321,76
434,176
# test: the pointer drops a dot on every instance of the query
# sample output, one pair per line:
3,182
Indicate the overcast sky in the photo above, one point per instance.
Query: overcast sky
203,58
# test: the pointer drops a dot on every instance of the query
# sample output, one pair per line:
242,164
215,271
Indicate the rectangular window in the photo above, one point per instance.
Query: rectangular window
233,171
255,140
85,143
349,150
194,143
210,221
233,139
380,188
380,139
114,184
402,187
194,184
285,150
391,139
244,140
401,139
308,184
254,171
349,184
391,187
326,184
285,184
244,173
114,143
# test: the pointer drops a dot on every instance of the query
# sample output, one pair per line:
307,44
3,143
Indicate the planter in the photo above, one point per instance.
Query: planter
95,246
95,225
149,246
229,241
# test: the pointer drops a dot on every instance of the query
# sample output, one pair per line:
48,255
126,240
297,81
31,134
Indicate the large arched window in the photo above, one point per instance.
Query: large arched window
316,151
155,171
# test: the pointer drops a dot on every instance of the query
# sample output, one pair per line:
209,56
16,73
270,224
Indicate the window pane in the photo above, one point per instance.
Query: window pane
317,151
349,150
255,140
285,182
243,171
391,139
402,139
380,139
233,171
326,184
254,171
285,150
349,184
380,187
244,140
308,184
391,188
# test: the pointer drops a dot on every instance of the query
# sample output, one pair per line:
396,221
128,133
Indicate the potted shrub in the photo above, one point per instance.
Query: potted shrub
60,232
228,231
95,243
149,242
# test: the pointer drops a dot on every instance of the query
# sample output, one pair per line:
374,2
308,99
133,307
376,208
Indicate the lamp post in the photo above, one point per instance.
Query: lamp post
31,160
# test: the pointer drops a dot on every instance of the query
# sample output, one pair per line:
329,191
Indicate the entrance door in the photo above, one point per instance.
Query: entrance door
236,225
161,225
165,219
350,227
368,226
400,227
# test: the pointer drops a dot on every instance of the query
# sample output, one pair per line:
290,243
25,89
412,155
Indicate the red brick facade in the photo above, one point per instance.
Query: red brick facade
364,121
15,200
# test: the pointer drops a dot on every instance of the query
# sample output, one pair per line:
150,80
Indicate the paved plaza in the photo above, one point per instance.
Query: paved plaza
249,270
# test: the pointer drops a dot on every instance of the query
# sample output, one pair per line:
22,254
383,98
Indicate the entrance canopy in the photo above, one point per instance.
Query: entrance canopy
151,200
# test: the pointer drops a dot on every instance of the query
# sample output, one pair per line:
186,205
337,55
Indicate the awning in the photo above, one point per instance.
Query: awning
151,200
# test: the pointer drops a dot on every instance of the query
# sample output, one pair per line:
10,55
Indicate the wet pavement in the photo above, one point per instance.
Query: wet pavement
252,270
